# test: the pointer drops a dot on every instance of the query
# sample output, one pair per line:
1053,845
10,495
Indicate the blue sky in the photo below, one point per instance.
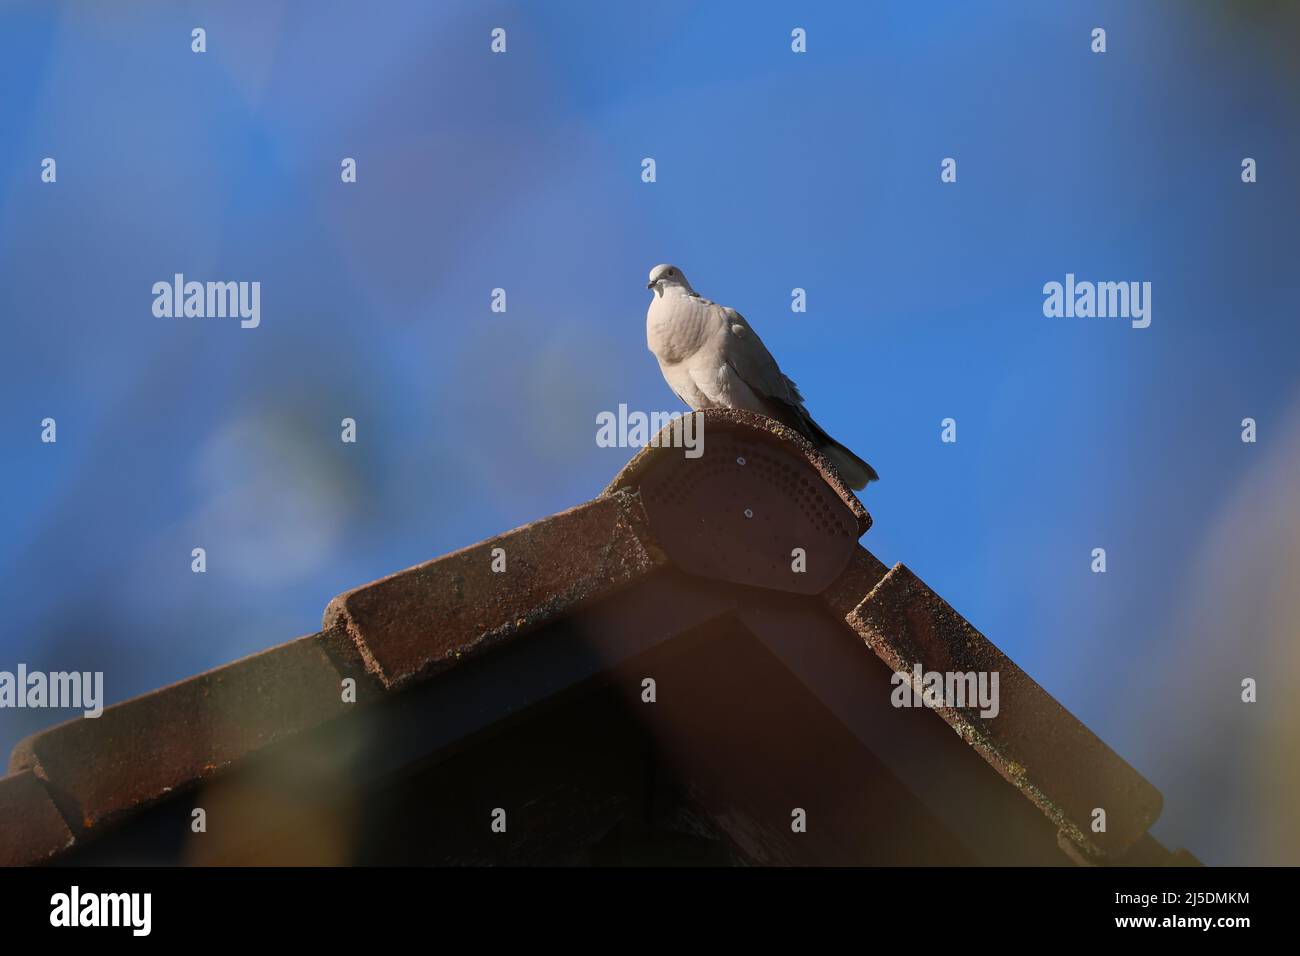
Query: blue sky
774,171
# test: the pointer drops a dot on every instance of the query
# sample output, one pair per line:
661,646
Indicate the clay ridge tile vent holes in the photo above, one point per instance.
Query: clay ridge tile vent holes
738,512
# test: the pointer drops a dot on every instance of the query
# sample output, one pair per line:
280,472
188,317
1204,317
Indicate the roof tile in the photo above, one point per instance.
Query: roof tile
736,421
421,620
140,750
31,827
1034,742
755,507
864,572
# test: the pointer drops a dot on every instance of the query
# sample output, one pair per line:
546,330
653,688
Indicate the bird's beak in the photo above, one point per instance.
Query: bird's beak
650,284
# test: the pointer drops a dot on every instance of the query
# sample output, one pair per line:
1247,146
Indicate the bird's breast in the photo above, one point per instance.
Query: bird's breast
677,327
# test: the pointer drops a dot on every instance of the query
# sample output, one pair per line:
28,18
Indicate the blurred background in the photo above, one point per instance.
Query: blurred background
775,171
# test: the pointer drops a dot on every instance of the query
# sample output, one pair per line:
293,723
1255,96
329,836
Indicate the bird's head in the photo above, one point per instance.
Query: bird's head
664,277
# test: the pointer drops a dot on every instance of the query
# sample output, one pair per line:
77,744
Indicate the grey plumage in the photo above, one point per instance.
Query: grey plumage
712,358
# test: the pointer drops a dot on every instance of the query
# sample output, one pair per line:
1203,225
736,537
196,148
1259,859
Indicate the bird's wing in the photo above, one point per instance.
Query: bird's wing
749,357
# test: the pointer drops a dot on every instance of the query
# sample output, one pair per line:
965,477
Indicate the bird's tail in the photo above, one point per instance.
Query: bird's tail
855,472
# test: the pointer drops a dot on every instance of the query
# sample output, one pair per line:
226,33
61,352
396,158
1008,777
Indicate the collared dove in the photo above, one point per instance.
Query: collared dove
711,358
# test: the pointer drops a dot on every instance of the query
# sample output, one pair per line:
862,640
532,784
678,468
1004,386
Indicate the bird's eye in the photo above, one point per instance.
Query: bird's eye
670,271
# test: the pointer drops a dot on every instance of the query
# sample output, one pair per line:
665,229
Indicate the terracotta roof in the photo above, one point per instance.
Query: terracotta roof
679,568
32,829
410,624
